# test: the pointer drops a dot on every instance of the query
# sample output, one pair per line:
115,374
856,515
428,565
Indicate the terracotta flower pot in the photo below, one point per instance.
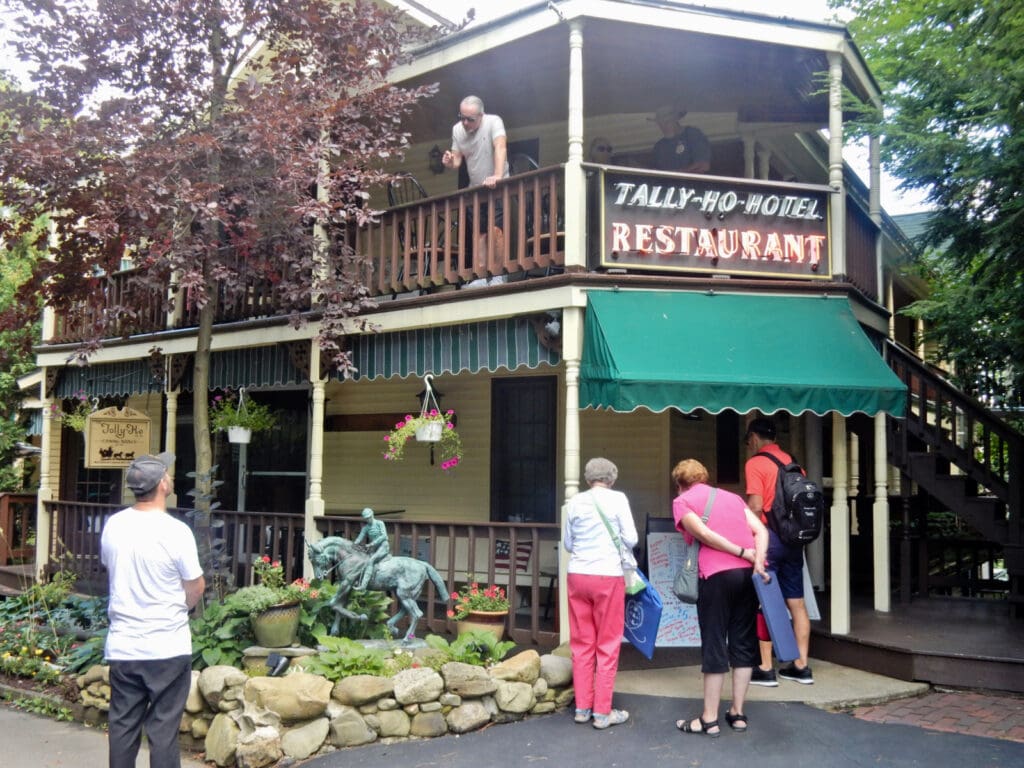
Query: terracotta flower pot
484,621
278,625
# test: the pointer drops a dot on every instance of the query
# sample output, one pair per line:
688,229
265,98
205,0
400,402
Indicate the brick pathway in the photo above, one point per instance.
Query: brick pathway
985,714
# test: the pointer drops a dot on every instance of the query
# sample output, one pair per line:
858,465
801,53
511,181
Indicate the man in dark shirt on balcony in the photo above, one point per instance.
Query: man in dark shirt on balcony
683,148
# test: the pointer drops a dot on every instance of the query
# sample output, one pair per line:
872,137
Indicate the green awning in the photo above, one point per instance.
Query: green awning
509,343
718,351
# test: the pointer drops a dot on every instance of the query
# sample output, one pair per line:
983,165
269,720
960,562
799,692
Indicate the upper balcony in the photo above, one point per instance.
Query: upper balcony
761,88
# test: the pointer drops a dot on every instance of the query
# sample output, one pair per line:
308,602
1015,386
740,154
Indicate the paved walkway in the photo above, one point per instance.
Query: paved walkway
866,696
977,714
654,695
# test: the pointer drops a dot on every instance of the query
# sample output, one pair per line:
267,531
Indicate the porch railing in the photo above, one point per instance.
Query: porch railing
460,551
17,527
514,229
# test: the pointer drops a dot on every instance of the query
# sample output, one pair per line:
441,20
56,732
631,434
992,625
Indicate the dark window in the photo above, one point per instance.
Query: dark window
99,486
275,461
727,434
523,435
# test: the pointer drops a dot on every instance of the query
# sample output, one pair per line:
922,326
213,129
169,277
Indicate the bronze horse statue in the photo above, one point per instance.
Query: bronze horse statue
404,576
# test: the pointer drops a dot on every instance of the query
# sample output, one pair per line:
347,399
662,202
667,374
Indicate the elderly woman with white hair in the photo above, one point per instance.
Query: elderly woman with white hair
597,593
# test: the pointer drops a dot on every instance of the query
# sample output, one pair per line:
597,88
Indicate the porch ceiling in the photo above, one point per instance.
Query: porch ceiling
629,68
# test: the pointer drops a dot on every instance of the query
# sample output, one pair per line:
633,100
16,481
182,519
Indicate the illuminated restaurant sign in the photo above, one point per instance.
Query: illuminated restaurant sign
710,224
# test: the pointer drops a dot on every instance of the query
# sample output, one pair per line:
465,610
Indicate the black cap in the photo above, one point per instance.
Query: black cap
762,427
146,472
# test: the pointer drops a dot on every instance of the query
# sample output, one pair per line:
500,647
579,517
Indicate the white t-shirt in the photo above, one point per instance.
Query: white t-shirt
586,537
148,554
477,148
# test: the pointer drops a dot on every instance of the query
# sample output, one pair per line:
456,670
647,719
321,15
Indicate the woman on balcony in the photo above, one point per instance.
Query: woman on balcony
597,592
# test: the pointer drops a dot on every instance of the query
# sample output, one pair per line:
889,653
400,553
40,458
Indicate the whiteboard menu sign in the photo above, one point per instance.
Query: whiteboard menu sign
679,626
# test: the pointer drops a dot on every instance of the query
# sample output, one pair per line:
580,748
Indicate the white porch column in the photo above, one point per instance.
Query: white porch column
835,162
171,433
880,521
875,207
572,350
43,522
839,607
854,484
749,153
813,465
315,502
575,182
764,163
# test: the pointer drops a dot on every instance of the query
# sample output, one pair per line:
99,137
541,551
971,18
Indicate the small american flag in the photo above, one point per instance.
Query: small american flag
503,551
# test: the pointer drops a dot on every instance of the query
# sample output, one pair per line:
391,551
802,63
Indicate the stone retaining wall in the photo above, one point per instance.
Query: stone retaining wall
252,722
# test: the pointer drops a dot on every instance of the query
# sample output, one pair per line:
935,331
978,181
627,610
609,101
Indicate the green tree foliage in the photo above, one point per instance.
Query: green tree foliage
16,259
953,125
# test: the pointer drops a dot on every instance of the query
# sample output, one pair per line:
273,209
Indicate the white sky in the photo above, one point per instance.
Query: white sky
812,10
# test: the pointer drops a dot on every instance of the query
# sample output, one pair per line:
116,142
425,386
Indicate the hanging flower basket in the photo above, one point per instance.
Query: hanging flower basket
431,426
442,437
240,416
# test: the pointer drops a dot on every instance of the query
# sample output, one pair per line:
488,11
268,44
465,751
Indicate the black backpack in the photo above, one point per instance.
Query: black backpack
798,508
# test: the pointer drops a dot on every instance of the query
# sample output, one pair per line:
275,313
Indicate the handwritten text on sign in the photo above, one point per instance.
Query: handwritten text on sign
678,620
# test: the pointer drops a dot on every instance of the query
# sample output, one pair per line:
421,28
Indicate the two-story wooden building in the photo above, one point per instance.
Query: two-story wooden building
624,312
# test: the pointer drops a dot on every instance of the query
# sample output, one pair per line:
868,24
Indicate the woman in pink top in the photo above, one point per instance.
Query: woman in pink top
733,545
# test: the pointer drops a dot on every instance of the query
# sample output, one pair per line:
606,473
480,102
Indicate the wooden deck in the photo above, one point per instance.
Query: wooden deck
954,642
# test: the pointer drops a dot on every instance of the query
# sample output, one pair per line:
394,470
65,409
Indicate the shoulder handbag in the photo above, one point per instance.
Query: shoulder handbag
634,583
685,583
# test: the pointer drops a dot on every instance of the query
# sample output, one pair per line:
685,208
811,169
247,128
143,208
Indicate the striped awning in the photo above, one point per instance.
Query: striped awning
229,369
126,377
508,343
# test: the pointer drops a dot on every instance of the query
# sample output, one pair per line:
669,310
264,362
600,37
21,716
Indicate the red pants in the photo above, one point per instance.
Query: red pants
597,606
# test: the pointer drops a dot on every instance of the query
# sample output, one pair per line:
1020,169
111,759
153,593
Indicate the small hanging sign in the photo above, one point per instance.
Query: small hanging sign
114,437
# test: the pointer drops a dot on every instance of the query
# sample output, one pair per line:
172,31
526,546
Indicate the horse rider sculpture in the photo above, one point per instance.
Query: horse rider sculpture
374,539
403,576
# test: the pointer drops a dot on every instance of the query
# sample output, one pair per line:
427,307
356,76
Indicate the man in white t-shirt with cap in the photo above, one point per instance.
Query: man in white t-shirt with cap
155,580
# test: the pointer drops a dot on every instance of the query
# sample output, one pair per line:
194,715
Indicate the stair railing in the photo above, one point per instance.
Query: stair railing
983,446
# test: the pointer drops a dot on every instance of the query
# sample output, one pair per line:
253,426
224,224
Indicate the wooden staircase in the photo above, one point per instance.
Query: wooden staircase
964,457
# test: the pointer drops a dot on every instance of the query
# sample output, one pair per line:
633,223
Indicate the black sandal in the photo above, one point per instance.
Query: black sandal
732,720
686,726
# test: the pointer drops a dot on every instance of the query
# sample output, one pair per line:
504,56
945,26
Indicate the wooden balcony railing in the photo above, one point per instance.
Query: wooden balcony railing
460,552
861,257
513,229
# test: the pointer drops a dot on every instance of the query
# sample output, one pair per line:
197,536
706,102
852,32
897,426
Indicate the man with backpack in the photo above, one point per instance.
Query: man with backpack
787,560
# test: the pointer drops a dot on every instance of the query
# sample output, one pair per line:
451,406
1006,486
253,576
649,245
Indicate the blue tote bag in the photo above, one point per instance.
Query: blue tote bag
643,615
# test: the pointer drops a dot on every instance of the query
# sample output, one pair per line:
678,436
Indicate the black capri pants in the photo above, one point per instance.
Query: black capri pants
727,616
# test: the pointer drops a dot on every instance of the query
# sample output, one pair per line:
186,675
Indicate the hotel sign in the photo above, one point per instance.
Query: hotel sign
651,221
114,437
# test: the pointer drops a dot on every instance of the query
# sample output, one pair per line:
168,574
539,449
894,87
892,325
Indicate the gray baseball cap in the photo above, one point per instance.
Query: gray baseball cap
147,471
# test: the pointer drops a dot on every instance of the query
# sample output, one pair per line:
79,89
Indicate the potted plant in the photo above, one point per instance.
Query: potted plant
431,426
274,606
480,609
240,417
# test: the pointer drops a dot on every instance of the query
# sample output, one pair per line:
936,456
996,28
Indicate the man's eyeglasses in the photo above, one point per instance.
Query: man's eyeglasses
469,118
602,148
